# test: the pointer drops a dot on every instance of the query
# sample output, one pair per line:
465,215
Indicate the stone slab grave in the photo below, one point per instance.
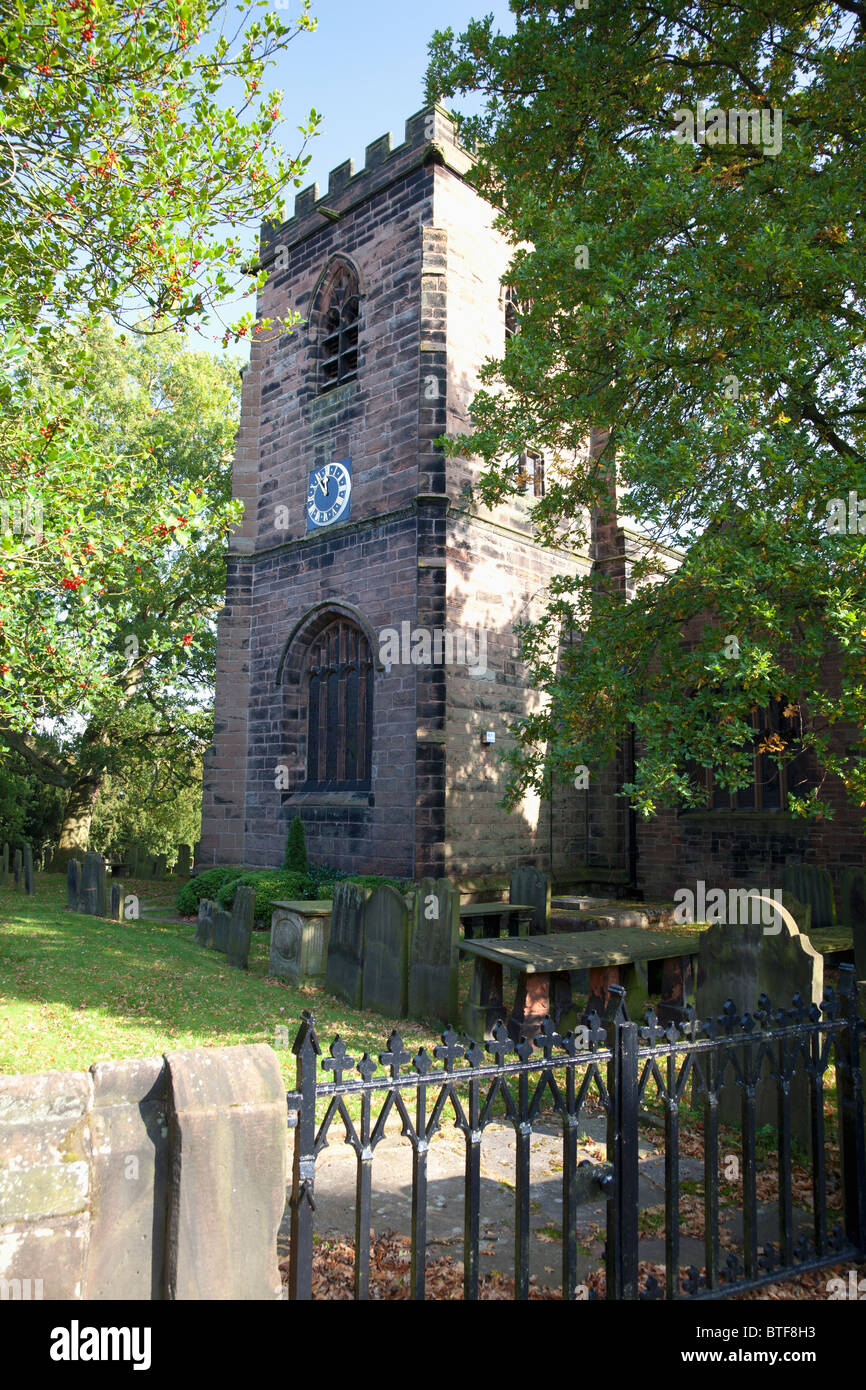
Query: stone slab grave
548,965
182,866
204,923
344,968
93,898
385,975
4,865
158,867
740,962
433,958
300,931
241,924
529,885
18,867
73,884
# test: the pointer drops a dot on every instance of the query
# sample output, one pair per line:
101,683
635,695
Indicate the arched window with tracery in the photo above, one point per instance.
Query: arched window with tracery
338,343
338,677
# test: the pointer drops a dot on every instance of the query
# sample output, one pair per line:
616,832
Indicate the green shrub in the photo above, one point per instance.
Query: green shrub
295,858
270,885
204,885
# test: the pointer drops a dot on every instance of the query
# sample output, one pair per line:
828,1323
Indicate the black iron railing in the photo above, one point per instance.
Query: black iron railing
619,1066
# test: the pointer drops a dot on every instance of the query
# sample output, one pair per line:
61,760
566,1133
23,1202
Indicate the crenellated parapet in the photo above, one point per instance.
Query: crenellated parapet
430,135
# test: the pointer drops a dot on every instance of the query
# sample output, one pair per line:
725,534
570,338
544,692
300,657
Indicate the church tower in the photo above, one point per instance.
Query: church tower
367,670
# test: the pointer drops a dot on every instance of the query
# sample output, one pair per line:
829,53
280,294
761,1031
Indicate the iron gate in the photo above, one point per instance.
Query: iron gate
615,1064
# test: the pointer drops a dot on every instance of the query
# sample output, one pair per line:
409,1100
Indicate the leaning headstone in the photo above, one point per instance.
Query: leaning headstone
814,887
182,866
73,884
853,914
219,940
116,900
740,962
204,925
93,898
435,917
18,867
241,927
344,969
385,975
4,865
530,885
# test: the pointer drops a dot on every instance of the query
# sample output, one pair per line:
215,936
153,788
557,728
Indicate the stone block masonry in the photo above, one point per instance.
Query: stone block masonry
419,244
153,1178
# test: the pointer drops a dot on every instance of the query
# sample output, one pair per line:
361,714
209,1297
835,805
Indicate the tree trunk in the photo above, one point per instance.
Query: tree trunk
75,830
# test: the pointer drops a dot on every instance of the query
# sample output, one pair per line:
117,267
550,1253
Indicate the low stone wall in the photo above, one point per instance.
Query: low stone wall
153,1178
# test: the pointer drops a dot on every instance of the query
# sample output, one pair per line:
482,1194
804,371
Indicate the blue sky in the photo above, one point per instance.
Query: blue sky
363,69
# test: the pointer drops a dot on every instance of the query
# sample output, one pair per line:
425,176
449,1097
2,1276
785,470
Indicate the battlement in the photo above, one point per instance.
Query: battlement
430,133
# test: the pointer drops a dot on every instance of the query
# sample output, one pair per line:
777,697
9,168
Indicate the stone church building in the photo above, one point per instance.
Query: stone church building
367,672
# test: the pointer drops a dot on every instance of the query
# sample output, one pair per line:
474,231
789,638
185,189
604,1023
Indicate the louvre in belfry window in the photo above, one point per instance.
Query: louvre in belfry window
338,344
339,679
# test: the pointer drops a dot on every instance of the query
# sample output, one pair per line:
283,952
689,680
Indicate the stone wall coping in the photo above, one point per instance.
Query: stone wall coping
309,907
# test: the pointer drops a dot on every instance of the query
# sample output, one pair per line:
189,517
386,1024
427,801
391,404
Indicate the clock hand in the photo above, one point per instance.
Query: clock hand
323,481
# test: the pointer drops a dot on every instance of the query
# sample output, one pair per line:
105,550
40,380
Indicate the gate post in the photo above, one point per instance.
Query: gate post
851,1123
621,1259
306,1049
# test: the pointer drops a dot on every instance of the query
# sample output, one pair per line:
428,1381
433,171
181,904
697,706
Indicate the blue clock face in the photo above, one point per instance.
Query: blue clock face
329,494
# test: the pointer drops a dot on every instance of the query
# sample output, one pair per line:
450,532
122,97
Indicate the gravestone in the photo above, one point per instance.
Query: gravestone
196,854
530,885
219,936
73,885
204,924
299,940
182,866
241,927
435,922
385,974
814,887
739,961
143,861
28,869
18,868
115,901
158,868
4,865
801,912
93,897
344,969
853,914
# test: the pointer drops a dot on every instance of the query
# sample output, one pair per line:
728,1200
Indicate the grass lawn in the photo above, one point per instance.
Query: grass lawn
76,990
